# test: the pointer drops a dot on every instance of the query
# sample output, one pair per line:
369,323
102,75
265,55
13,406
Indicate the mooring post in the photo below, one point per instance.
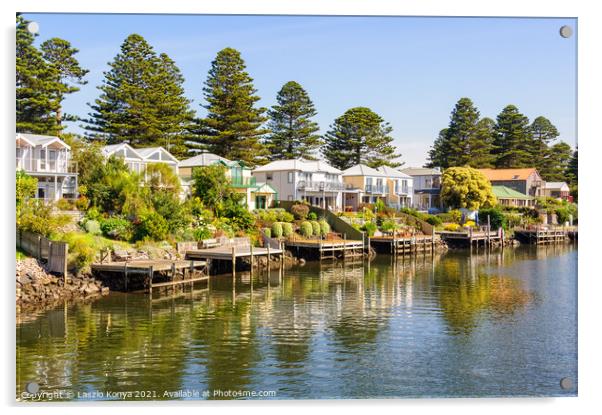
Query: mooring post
251,250
150,278
173,271
268,255
344,247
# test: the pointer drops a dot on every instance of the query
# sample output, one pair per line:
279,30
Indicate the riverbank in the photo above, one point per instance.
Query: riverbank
37,288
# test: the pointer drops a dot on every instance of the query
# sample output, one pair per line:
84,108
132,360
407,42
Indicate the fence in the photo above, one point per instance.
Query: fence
55,253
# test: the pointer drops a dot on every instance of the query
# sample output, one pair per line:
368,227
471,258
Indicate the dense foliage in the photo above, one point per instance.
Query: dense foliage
465,187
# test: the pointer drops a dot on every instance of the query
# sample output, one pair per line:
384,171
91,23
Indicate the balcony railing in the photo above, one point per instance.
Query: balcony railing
322,186
401,190
243,181
37,165
373,188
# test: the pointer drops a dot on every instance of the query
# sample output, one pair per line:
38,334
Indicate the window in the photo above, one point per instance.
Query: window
427,183
290,197
269,176
290,176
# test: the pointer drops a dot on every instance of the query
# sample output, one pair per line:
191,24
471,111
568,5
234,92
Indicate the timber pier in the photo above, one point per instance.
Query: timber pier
396,244
332,247
545,235
471,237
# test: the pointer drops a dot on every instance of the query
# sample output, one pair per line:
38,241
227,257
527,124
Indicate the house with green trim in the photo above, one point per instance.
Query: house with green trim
257,195
507,196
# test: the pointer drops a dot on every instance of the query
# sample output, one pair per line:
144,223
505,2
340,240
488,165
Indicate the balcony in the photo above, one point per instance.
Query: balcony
376,189
243,182
323,186
37,165
401,190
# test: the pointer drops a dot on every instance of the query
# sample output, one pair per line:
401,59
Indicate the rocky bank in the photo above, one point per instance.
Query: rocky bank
38,288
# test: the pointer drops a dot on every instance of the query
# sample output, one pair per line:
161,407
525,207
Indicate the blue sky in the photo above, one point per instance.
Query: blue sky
410,70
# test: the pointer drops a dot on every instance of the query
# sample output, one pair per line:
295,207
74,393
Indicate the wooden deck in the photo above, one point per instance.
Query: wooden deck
404,245
472,237
190,271
327,248
232,253
542,236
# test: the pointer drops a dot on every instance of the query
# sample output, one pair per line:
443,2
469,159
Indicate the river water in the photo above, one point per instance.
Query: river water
456,325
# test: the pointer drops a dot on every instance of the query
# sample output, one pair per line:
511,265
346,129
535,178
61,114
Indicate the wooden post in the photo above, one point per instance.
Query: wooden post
488,231
268,256
173,272
65,264
39,247
344,247
433,240
125,274
233,263
150,278
251,250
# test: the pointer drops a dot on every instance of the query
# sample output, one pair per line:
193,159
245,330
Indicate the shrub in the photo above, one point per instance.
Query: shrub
81,254
306,229
300,211
455,215
324,227
388,226
496,218
434,220
284,216
312,216
92,227
267,232
287,229
369,228
315,227
202,233
82,203
64,204
117,228
470,224
93,213
276,230
452,227
152,226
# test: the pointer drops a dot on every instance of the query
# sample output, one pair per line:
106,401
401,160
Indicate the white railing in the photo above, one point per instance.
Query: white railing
316,186
37,165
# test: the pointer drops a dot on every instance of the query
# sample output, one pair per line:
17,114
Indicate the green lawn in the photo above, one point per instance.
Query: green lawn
21,254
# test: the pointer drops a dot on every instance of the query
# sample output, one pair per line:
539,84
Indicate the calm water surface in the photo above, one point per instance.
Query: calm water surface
454,325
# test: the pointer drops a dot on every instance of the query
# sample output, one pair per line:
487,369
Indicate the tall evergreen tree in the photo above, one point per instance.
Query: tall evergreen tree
556,162
543,133
481,146
61,55
37,83
293,133
360,136
142,100
233,122
513,140
572,170
439,150
461,133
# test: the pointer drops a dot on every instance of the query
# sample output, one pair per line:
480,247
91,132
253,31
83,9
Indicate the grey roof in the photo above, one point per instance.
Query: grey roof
147,151
391,172
421,171
362,170
203,159
299,164
41,140
555,185
111,148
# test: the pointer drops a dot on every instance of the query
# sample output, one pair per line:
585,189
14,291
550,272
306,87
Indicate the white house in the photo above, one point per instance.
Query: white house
137,159
427,187
48,159
314,181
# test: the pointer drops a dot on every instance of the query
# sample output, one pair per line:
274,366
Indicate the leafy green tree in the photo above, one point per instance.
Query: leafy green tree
212,187
513,140
556,161
61,56
293,133
360,136
233,123
37,84
88,157
26,188
465,187
142,100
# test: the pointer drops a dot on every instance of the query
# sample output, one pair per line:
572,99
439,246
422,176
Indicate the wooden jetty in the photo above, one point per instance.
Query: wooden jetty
329,248
542,235
401,245
152,273
481,237
233,253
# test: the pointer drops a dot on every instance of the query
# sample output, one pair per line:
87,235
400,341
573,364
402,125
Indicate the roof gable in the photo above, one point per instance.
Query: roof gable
150,154
362,170
505,192
509,174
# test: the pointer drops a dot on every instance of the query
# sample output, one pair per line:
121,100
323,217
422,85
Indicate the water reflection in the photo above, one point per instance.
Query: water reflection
330,330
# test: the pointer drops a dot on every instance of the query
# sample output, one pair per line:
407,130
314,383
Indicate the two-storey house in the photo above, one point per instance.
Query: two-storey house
314,181
364,185
401,187
257,195
427,187
137,159
526,181
48,159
